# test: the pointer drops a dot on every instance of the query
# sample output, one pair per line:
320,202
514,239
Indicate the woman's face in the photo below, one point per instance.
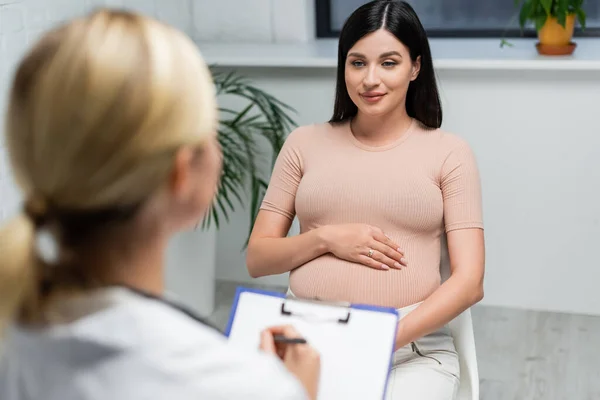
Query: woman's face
378,72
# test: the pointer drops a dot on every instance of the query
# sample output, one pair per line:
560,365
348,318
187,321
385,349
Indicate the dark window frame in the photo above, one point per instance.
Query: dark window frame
324,29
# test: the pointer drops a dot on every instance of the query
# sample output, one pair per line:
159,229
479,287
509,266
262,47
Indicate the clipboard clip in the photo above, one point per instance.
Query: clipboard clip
344,320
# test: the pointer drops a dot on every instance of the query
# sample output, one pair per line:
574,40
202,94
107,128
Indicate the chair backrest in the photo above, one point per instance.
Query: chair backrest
464,338
444,259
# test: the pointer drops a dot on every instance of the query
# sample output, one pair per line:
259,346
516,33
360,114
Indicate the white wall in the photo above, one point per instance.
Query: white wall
254,21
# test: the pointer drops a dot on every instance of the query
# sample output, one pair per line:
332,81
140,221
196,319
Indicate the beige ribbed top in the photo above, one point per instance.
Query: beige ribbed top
413,189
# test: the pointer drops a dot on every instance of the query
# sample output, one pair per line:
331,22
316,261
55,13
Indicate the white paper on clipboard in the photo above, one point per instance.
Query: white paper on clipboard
355,342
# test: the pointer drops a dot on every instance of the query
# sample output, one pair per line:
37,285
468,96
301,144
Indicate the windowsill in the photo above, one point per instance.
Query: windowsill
449,54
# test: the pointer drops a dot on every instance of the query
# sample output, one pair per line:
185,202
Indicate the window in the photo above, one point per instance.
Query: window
451,18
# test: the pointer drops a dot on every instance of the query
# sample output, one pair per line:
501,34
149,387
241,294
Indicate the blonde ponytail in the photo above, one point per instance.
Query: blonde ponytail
97,109
17,266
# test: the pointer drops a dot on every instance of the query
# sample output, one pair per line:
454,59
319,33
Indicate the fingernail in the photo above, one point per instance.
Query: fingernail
397,265
400,250
383,266
403,260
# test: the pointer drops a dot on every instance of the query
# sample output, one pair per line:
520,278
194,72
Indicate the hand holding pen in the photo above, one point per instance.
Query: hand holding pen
301,359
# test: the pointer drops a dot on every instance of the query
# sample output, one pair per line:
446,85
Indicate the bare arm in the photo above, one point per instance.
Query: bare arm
463,288
270,252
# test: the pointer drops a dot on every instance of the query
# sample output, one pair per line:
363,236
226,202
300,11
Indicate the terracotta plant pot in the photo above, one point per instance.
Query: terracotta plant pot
554,39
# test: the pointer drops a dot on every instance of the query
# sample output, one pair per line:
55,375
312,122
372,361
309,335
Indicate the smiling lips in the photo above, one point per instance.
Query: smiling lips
372,97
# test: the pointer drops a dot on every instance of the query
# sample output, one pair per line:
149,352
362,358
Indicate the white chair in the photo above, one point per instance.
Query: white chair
464,340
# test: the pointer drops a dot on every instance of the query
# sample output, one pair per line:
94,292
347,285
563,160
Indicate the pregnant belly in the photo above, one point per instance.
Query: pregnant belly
329,278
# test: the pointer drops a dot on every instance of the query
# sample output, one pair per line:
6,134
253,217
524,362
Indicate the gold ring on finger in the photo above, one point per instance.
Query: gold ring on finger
370,253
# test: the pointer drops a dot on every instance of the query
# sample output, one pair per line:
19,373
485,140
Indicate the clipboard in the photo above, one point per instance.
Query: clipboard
355,342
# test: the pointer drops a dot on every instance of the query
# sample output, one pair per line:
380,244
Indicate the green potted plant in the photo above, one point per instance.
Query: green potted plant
554,22
263,117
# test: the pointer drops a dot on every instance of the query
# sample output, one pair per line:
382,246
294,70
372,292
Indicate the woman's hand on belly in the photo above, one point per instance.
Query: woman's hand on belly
363,244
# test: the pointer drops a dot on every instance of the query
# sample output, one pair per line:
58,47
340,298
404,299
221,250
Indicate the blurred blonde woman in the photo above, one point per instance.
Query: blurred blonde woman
111,136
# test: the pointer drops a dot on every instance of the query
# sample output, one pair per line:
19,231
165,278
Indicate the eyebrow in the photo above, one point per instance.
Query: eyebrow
383,55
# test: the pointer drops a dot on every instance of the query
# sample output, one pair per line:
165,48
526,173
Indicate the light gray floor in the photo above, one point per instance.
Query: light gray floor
522,355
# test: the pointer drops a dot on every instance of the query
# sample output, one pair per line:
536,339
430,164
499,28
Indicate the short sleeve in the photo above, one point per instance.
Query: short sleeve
280,195
461,189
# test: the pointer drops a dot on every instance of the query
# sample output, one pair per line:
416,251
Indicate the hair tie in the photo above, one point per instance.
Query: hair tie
46,245
36,208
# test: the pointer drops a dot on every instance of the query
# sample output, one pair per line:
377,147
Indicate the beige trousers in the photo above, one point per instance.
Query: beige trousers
427,369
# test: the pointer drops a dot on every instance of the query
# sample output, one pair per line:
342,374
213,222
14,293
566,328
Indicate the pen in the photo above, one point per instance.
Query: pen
283,339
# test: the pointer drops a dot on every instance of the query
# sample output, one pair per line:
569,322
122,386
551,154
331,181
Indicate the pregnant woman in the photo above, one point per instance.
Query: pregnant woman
375,189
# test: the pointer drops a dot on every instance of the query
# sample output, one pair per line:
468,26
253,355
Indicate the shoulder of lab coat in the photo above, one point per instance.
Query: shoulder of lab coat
139,348
192,360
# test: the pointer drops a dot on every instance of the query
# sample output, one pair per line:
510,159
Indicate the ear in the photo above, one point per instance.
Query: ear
416,68
181,174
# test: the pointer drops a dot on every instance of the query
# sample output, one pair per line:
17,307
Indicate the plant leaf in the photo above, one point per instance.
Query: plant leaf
261,117
540,21
526,13
561,18
562,11
547,4
581,17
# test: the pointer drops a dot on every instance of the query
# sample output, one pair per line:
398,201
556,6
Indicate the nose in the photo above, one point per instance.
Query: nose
372,78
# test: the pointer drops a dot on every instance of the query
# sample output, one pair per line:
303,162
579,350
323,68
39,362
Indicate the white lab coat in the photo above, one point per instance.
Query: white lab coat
119,345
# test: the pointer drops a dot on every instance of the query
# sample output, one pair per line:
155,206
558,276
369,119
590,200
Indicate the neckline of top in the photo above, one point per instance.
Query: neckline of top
385,147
